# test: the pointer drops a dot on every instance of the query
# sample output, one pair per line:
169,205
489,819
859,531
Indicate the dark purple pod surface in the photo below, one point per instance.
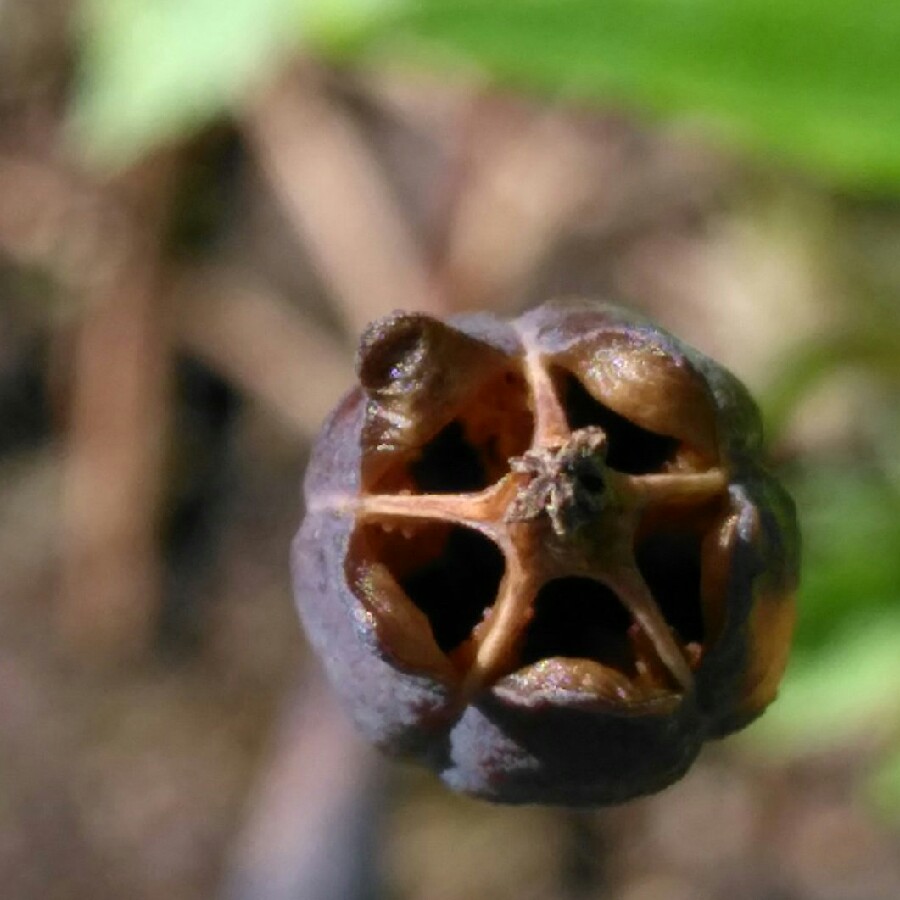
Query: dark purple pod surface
544,556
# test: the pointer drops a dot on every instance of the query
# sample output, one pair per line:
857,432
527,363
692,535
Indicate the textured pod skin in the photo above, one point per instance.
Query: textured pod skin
544,557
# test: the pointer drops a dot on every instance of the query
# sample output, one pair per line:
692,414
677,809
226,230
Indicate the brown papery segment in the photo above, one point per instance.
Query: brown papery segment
416,372
445,410
640,381
402,630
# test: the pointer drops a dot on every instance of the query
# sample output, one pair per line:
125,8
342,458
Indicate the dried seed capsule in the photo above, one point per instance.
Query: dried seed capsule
544,557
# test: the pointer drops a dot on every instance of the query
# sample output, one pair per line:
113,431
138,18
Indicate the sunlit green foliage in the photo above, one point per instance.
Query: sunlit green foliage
151,71
845,667
814,83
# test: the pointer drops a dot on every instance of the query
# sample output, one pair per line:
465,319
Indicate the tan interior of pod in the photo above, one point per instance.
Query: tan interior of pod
472,450
452,573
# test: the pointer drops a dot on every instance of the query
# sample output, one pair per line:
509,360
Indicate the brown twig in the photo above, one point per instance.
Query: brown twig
527,179
254,338
339,203
114,445
585,856
52,218
312,823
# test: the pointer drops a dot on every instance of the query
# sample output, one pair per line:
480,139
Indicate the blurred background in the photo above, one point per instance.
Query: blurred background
202,203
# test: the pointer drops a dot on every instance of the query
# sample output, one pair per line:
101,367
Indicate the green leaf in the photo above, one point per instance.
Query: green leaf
845,667
817,83
873,350
883,788
850,521
844,689
152,70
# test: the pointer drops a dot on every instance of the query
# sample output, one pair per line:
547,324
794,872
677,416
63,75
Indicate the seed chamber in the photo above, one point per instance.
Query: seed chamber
616,592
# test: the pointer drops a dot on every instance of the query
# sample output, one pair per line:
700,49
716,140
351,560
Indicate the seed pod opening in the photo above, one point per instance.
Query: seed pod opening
543,556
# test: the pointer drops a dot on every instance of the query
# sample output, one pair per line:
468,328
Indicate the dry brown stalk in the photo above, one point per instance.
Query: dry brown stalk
113,466
313,817
336,197
526,181
256,339
51,218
